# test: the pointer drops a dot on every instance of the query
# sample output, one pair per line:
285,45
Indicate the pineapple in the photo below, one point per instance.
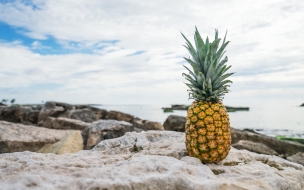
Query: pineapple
208,135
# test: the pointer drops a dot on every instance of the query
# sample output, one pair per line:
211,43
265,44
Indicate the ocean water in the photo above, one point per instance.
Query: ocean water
272,120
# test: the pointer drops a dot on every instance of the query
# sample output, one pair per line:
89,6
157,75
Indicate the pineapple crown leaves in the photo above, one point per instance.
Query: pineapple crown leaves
207,79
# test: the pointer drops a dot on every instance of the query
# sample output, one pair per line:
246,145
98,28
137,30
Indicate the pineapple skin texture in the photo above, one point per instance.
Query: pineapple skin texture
208,135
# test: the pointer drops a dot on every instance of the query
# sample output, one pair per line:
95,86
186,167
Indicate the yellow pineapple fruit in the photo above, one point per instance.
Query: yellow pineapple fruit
208,134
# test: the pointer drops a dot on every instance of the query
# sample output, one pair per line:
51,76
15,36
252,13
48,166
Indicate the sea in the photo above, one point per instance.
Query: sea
268,120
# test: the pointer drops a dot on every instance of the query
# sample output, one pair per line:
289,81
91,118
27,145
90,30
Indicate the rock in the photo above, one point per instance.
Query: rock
160,163
64,123
297,158
302,104
120,116
162,143
18,137
281,147
179,107
84,113
254,147
233,109
69,144
104,129
19,114
145,125
175,123
52,109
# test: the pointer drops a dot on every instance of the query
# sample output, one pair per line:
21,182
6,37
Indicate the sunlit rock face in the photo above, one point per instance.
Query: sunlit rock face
146,160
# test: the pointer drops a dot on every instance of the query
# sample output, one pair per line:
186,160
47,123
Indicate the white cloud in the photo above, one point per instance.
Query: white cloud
265,49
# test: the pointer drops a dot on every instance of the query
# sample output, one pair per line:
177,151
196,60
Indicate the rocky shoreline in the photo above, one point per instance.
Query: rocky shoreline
91,141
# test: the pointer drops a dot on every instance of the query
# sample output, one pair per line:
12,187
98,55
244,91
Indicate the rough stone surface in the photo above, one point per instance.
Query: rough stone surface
19,114
104,129
120,116
18,137
64,123
175,123
254,147
69,144
298,158
145,125
160,164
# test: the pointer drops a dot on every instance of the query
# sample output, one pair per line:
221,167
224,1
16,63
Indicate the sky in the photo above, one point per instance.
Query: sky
131,51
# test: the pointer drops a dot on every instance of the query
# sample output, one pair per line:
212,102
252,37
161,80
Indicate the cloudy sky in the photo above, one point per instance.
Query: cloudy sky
130,52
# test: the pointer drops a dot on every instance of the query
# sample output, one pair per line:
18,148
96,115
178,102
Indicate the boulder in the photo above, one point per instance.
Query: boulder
19,114
145,125
175,123
64,123
18,137
120,116
254,147
69,144
83,113
104,129
147,160
281,147
297,158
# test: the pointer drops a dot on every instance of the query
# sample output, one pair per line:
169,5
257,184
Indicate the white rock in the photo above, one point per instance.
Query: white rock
158,162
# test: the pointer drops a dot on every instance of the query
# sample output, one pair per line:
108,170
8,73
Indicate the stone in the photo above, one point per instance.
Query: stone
254,147
175,123
145,125
83,113
104,129
64,123
69,144
19,114
281,147
52,109
297,158
120,116
160,163
162,143
18,137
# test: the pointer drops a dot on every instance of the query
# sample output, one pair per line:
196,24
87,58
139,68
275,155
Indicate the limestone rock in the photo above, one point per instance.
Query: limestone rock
18,137
158,165
104,129
297,158
69,144
120,116
175,123
254,147
145,125
64,123
163,143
